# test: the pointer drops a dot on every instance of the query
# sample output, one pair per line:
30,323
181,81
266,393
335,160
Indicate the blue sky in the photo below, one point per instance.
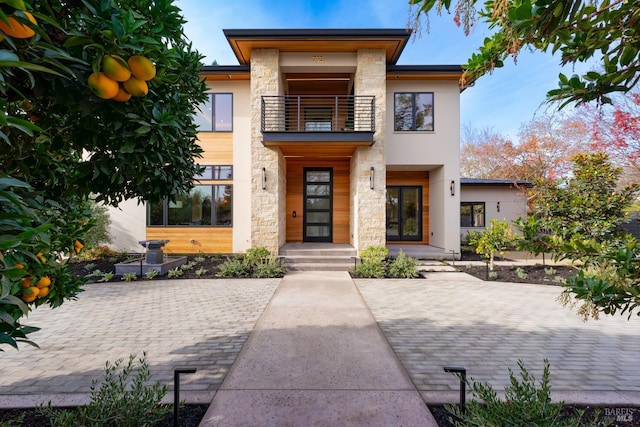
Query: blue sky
503,100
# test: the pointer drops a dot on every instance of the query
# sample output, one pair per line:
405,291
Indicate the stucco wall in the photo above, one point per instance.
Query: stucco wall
436,151
128,226
426,148
513,203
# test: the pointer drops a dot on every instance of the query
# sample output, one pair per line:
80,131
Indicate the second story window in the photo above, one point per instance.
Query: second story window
216,113
413,111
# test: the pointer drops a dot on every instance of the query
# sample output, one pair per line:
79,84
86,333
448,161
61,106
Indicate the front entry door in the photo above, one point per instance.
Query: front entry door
318,205
404,213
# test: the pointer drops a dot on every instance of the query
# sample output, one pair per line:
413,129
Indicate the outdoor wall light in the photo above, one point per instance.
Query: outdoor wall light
264,178
371,178
498,206
452,188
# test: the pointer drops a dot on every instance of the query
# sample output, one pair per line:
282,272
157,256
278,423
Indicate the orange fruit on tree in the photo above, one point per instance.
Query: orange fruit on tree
115,68
30,294
19,265
43,292
103,86
122,96
136,87
141,67
16,29
26,281
41,257
43,282
77,246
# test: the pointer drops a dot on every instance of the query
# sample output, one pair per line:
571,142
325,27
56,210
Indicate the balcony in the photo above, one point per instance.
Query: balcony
326,119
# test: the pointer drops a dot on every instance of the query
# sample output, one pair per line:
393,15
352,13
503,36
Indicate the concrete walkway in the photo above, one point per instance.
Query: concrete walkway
317,357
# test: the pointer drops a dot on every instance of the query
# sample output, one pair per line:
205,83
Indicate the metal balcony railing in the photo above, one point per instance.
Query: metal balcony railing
318,113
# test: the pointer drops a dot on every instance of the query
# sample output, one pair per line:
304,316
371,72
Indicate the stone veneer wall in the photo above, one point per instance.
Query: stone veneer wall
267,216
368,206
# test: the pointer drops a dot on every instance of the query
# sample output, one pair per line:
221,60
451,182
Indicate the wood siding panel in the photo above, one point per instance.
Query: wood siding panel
217,147
206,240
414,178
295,196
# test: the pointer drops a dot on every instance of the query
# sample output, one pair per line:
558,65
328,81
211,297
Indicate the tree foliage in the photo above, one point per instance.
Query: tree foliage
497,238
604,31
616,131
543,150
587,205
61,143
579,219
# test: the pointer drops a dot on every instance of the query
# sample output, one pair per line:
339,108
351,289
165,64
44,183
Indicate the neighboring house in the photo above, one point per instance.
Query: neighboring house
317,136
482,200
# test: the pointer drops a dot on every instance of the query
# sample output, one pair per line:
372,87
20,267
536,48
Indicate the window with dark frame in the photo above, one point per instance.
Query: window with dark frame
206,205
216,173
413,111
215,114
472,214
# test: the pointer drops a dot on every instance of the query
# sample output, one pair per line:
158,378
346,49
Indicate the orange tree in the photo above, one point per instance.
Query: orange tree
64,139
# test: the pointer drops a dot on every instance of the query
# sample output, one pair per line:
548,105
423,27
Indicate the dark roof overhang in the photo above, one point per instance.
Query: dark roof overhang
243,41
495,182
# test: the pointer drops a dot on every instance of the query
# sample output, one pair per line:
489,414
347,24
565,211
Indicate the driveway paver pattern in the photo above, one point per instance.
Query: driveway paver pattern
452,319
196,323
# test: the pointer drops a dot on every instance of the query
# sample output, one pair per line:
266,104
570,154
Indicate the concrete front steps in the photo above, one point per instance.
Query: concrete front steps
318,256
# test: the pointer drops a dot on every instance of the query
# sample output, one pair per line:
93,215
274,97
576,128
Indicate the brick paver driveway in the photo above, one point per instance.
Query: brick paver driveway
451,319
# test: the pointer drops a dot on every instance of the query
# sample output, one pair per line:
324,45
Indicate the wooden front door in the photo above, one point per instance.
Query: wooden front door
318,205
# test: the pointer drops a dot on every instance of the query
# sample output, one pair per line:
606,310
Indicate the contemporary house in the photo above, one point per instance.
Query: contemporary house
318,135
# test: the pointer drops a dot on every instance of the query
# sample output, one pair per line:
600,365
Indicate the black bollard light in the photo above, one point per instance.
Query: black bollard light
462,372
176,390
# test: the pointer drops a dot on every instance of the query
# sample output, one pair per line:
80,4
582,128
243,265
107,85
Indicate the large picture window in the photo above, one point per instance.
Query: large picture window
472,214
204,205
413,111
215,114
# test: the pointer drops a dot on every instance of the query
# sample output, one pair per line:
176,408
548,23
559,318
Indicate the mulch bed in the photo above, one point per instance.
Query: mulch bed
189,416
210,263
537,274
615,416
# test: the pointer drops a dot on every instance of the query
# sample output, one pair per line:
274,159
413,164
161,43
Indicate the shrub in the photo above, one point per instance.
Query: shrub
370,269
256,262
403,267
176,272
525,404
254,256
98,234
119,401
106,277
372,264
201,271
150,274
521,273
375,253
234,267
269,267
129,276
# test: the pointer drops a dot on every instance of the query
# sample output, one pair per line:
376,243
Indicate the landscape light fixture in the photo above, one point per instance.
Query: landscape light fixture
264,178
498,206
452,188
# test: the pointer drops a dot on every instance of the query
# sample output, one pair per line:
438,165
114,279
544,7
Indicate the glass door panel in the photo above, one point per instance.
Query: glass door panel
404,213
318,205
